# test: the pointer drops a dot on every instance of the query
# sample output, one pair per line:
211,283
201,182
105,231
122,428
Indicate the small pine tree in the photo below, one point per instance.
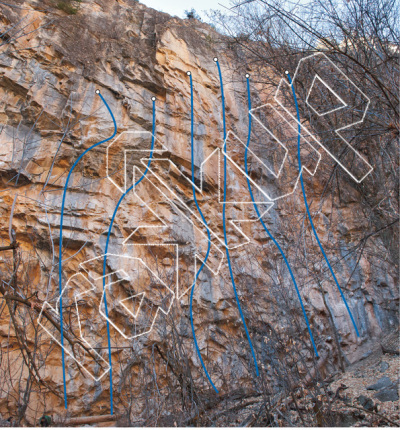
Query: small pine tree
192,14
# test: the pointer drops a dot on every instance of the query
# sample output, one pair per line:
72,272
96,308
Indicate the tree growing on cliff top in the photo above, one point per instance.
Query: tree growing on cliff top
192,14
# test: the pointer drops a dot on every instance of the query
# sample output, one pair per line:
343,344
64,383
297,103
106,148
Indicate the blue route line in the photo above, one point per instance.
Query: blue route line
208,234
308,209
61,239
265,227
108,240
224,224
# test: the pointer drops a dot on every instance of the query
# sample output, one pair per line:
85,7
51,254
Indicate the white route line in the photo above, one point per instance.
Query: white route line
337,131
176,207
344,104
67,350
135,133
143,225
126,277
152,175
159,308
303,167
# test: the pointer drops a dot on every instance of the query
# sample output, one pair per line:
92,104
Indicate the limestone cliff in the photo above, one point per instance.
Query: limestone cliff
51,63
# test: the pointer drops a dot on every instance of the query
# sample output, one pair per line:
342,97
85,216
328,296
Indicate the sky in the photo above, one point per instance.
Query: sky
178,7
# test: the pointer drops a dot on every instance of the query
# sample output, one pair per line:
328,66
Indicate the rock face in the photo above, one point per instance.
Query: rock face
384,382
51,63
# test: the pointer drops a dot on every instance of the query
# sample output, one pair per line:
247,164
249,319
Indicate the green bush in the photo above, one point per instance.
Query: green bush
67,7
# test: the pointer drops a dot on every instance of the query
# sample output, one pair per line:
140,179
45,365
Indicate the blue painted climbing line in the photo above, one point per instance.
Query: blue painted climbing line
107,243
265,227
208,235
61,238
224,224
308,209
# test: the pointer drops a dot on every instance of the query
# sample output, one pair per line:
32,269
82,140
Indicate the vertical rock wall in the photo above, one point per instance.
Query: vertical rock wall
50,114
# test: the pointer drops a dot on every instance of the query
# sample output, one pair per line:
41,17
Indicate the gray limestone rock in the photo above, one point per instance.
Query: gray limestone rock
366,403
384,382
383,366
387,395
